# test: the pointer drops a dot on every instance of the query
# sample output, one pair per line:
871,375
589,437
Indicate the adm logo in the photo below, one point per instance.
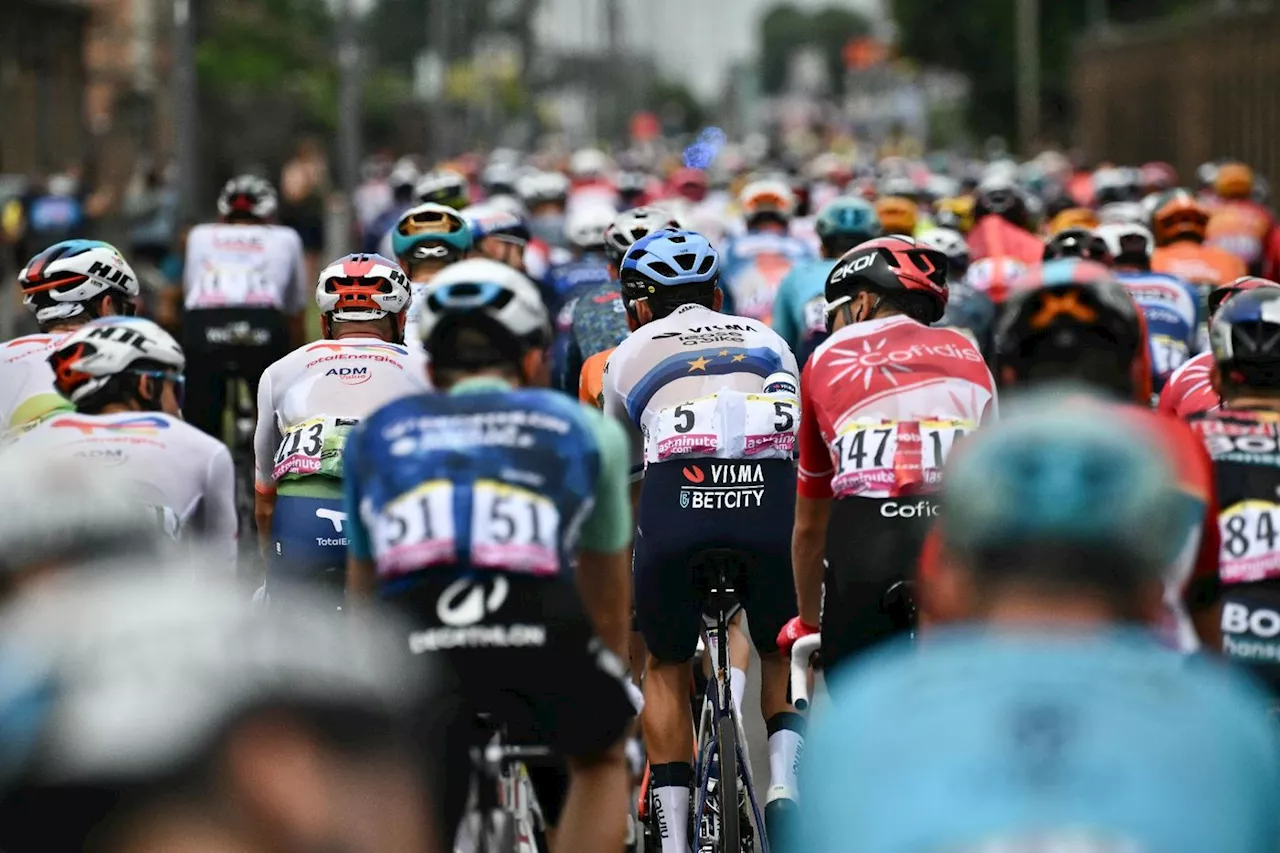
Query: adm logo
350,375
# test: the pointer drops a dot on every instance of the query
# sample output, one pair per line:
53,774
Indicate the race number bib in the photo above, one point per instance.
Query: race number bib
1167,354
232,284
727,425
1250,533
888,458
513,529
814,316
416,530
313,446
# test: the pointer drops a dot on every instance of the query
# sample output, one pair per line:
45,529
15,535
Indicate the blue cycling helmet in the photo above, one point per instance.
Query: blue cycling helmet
851,220
1245,335
490,220
1065,472
430,231
669,260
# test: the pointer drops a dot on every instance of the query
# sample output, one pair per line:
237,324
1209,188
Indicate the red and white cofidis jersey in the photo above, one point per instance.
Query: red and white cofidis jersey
308,400
1189,390
882,402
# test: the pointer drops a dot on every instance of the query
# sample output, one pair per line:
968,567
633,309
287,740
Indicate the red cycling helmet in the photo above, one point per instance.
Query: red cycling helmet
1222,293
887,264
1158,176
690,183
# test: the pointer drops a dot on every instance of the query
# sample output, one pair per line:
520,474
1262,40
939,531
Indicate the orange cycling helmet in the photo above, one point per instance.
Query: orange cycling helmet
898,215
1233,181
1073,217
1179,216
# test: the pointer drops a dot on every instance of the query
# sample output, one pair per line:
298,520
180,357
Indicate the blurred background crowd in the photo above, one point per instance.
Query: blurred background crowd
133,112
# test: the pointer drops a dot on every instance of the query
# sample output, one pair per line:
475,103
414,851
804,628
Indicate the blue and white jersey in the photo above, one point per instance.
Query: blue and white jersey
752,268
1002,742
699,383
565,282
485,477
800,307
1172,309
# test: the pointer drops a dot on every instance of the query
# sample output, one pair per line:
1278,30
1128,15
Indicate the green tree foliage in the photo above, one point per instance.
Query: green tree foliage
977,38
785,29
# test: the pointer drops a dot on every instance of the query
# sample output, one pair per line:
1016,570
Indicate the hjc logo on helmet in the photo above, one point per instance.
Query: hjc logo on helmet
115,275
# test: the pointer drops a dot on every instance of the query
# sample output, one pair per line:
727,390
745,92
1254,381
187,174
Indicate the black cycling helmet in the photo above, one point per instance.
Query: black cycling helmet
890,265
1071,320
1004,200
1078,243
1245,335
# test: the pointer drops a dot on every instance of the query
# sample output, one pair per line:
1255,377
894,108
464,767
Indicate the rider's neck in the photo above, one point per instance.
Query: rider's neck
1263,402
1016,610
119,408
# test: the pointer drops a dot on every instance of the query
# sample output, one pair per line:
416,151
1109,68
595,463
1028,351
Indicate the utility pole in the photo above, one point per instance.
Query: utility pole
1028,29
186,107
349,118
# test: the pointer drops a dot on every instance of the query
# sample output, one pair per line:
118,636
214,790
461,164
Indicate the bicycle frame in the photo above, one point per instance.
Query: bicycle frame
718,702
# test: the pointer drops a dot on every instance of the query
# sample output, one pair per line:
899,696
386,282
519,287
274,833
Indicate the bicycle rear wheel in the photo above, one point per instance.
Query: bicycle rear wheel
727,789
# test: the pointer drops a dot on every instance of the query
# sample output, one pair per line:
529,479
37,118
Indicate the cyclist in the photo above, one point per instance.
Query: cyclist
1238,224
1190,388
444,186
1058,523
756,262
403,180
587,266
545,195
125,377
1073,322
709,401
1073,218
597,319
799,310
1078,243
898,215
65,286
1170,305
244,291
883,401
159,712
309,401
969,311
1179,224
498,234
427,239
1002,224
954,212
495,514
1242,438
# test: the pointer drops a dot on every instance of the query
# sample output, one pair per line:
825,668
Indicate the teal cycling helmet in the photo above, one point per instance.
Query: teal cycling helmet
1062,473
849,219
430,231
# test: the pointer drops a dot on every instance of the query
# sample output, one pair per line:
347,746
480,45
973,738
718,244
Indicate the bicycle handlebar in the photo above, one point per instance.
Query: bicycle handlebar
801,652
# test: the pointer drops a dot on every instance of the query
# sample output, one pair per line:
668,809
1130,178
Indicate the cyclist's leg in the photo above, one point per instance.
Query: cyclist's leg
883,548
308,530
668,610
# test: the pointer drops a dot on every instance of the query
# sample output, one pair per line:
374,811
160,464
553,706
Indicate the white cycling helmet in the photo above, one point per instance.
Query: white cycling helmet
248,194
58,282
770,196
87,358
589,164
585,225
1123,213
948,241
630,226
362,287
481,287
1126,240
542,187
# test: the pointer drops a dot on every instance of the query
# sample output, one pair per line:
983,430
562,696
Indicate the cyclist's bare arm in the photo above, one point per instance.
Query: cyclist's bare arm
266,439
808,544
604,584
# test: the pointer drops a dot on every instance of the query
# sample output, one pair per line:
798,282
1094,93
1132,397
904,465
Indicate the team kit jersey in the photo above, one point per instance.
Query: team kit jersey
1204,267
800,307
752,268
309,400
26,381
1245,447
987,741
883,401
691,383
1172,311
597,322
175,466
1190,388
245,266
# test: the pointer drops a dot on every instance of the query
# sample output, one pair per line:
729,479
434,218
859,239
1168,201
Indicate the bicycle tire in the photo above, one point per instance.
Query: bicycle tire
727,789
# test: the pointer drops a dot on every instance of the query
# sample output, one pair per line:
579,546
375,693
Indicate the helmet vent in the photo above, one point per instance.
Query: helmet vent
686,260
662,268
707,264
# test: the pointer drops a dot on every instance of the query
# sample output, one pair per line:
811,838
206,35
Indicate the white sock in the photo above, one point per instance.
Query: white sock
672,817
737,684
785,749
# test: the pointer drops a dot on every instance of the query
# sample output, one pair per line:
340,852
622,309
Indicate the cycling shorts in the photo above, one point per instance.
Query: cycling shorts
522,650
872,543
222,344
1251,630
692,505
309,541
